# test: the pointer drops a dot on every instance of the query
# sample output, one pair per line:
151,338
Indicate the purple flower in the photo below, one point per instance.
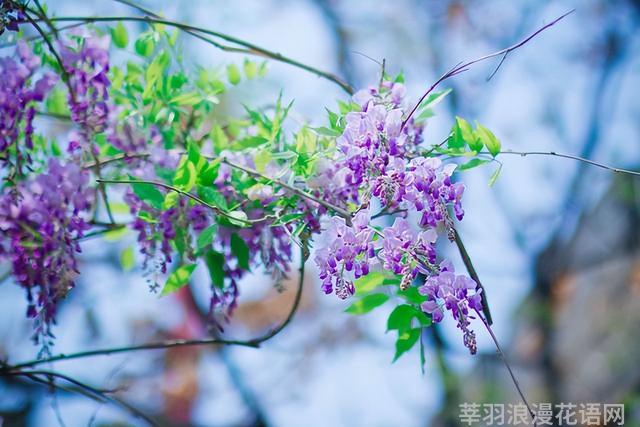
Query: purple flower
19,90
41,224
406,252
87,64
10,15
456,293
346,254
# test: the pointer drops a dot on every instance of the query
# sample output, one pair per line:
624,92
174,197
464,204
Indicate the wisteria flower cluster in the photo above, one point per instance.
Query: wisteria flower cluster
378,158
86,62
456,293
348,251
21,89
41,221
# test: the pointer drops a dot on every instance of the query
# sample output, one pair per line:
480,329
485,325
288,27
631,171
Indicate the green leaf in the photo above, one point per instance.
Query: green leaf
401,318
186,175
494,176
56,102
367,303
412,295
406,341
233,74
154,73
127,258
473,163
251,142
215,264
145,45
170,200
241,251
488,139
250,69
213,197
287,218
178,279
306,141
369,282
205,238
462,134
238,218
262,159
186,99
148,193
434,99
323,130
119,35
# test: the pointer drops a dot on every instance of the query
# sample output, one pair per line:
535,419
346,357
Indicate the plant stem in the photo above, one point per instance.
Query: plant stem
506,363
462,67
250,48
466,259
252,343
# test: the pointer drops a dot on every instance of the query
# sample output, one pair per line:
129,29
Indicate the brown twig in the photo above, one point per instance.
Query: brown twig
248,48
82,388
506,363
572,157
252,343
464,66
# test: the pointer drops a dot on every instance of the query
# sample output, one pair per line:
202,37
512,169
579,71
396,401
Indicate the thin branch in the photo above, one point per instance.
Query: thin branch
338,210
506,363
252,343
250,48
466,259
193,197
464,66
97,394
39,36
572,157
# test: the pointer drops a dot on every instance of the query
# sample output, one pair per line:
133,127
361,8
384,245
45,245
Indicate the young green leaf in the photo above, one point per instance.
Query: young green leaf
145,45
186,175
205,238
406,341
473,163
148,193
215,264
186,99
127,258
250,69
178,279
434,99
495,175
233,74
213,197
287,218
369,282
241,251
367,303
119,36
488,139
401,318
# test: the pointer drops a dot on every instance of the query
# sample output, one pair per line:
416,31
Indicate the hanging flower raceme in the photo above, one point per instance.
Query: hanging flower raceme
20,90
458,294
41,223
406,252
86,61
378,158
346,254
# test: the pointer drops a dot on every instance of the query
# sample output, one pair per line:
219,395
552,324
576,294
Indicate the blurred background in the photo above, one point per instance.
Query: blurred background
555,242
